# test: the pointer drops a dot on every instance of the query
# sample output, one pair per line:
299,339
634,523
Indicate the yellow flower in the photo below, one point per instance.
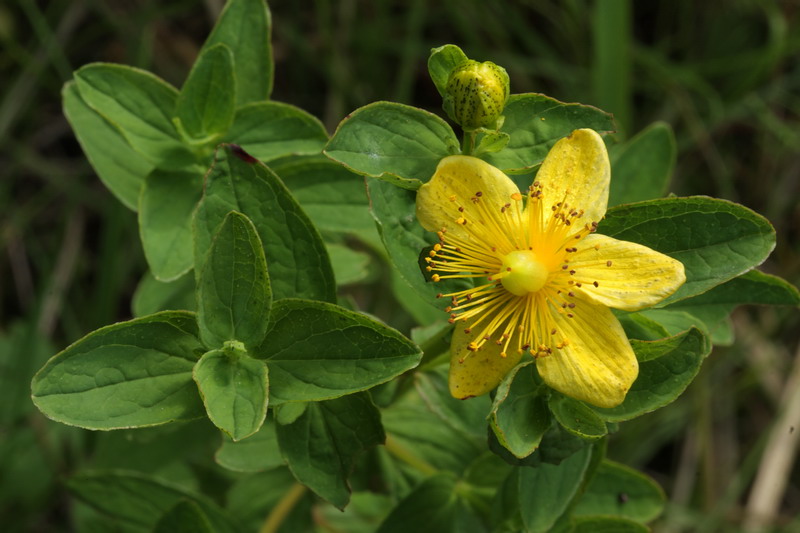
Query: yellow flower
545,280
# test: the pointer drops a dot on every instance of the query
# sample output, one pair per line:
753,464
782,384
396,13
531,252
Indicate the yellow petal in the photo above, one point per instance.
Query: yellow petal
577,166
457,179
597,365
476,373
629,276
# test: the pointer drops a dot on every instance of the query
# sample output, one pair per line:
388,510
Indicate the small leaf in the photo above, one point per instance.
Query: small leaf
233,290
519,415
318,351
552,487
139,500
441,62
121,168
535,123
298,261
254,454
716,240
184,517
577,417
245,27
152,296
234,389
141,106
131,374
206,104
666,368
268,130
393,142
642,167
492,142
321,446
622,491
166,205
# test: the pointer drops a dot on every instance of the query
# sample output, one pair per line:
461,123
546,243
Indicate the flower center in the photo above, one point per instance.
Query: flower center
525,272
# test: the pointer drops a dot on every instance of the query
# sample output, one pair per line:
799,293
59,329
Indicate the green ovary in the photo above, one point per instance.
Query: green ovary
523,273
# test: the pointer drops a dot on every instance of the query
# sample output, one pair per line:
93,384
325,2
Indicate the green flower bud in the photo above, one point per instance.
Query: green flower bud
476,94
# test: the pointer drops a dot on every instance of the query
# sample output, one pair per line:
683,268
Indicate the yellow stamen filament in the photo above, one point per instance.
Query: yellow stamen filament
521,249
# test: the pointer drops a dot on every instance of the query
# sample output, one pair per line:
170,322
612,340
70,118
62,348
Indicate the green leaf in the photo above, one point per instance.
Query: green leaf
131,374
152,296
139,500
245,27
184,517
205,106
349,266
166,205
441,62
753,287
666,367
577,417
641,327
395,212
235,390
141,106
268,130
298,261
393,142
552,487
642,167
492,141
619,490
321,446
326,190
233,290
121,169
716,240
318,351
519,416
467,419
433,506
254,454
606,524
535,122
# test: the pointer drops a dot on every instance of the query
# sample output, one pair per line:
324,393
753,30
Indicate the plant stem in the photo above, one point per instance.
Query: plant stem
402,453
279,513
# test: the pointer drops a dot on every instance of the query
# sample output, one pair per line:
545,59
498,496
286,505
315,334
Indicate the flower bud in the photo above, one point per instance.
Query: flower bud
476,94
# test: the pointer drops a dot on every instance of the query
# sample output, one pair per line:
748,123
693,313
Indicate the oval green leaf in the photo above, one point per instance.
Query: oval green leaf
233,289
393,142
268,130
318,351
535,122
618,490
234,389
141,105
132,374
206,103
716,240
298,262
121,168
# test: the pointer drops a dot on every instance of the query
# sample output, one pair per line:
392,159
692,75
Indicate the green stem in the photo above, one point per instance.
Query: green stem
279,513
402,453
468,143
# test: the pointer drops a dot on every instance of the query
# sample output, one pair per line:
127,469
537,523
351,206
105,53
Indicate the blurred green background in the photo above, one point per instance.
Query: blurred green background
724,74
